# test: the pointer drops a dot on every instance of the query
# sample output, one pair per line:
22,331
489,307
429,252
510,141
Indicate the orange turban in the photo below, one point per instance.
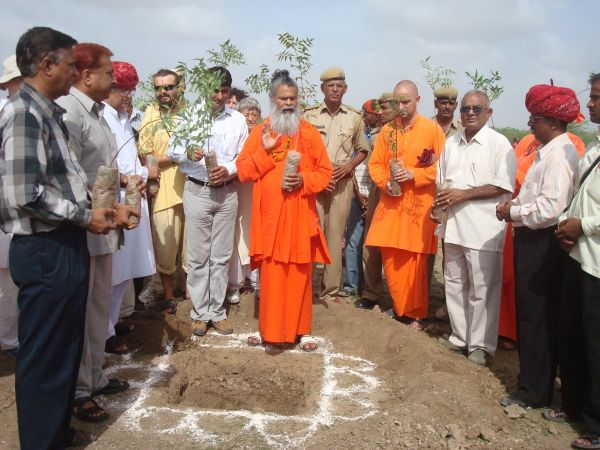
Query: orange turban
126,76
553,101
371,106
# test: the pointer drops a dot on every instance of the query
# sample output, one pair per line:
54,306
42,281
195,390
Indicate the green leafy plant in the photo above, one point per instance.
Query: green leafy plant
144,94
490,85
437,76
259,82
296,51
227,55
191,125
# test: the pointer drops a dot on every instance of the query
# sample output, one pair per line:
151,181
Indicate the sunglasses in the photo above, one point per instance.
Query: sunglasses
166,87
476,109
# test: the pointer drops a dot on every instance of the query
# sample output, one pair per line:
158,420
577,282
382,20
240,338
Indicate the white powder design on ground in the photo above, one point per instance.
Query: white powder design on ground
188,420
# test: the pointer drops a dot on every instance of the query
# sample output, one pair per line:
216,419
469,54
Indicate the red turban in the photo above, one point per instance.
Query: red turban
553,101
126,76
371,106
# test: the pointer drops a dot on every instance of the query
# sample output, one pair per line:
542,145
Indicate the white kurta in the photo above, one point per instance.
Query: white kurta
136,258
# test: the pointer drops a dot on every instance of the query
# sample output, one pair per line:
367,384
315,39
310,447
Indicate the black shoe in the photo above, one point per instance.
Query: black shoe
513,400
363,303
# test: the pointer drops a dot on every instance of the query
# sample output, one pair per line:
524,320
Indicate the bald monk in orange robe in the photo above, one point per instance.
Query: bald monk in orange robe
507,326
285,235
401,226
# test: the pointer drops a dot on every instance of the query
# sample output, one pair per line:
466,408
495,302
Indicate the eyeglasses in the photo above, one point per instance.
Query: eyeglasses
125,92
166,87
251,114
476,109
534,118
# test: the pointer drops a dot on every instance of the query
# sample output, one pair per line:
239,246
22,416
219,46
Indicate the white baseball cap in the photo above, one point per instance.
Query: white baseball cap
9,69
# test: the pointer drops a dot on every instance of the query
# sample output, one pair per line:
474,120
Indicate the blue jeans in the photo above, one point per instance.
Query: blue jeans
355,236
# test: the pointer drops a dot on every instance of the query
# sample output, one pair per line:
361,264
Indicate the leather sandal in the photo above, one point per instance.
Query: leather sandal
89,414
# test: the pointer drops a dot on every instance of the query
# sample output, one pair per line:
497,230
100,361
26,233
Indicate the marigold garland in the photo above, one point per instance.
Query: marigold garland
280,153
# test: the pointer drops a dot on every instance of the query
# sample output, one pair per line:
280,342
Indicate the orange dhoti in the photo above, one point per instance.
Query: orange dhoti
507,325
406,275
285,310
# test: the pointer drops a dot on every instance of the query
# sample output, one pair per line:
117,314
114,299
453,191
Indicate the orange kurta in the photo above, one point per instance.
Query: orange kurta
525,153
285,235
403,222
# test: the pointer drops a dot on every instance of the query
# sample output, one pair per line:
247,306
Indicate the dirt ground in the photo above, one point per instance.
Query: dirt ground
373,383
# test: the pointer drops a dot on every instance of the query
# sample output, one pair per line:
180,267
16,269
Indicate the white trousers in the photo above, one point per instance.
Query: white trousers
473,281
9,311
238,273
114,310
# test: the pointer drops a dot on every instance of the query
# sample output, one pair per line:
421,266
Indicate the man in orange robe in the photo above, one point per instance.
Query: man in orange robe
507,329
285,235
401,226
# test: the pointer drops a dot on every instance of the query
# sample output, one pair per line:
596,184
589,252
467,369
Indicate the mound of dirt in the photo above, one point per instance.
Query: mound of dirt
374,383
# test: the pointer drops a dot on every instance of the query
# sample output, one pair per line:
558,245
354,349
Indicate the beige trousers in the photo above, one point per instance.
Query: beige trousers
334,208
9,311
91,376
167,237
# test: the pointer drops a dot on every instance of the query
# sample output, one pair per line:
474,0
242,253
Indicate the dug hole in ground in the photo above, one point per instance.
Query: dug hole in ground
373,383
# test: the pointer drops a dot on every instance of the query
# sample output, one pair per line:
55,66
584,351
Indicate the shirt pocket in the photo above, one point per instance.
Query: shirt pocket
345,139
481,174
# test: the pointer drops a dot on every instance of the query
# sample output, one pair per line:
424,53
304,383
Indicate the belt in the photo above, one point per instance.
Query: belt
524,231
207,183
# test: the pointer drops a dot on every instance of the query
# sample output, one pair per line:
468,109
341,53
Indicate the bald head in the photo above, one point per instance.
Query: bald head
406,87
408,93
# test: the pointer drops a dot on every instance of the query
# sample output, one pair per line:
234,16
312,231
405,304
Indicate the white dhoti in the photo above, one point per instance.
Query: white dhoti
134,260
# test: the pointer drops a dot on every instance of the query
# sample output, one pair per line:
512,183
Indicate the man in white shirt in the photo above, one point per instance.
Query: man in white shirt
539,260
477,169
135,259
210,205
579,345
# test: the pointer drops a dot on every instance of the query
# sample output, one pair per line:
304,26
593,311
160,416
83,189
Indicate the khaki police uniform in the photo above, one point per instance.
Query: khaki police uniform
343,133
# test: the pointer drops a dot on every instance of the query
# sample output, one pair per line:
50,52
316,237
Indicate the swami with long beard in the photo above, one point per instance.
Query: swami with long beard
285,235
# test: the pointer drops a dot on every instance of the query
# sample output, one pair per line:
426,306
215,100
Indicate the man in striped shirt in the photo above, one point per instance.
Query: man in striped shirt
44,202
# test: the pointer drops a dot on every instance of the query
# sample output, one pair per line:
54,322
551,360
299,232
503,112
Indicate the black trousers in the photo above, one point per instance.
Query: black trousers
590,311
571,355
51,271
539,264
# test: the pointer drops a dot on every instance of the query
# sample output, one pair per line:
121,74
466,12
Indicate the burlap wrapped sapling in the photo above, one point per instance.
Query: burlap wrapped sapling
133,197
104,192
439,212
210,160
152,185
292,162
395,166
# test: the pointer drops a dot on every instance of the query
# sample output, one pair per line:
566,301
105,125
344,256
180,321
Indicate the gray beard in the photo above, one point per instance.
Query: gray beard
285,122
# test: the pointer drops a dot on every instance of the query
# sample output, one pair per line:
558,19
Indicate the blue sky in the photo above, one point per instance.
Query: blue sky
377,42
